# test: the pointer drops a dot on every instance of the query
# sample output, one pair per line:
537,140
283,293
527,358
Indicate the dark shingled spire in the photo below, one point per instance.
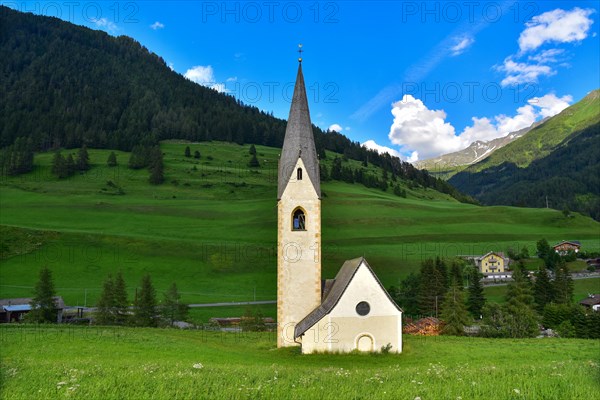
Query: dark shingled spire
299,141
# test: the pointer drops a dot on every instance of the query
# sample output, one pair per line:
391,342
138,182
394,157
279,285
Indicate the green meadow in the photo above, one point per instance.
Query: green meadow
211,227
55,362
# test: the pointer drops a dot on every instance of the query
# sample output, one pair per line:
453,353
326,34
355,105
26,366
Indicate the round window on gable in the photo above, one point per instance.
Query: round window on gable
363,308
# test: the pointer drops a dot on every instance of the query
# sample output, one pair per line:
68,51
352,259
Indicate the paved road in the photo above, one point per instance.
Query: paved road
234,303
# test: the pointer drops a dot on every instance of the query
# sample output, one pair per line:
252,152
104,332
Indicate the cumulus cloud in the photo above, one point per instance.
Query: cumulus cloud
418,128
462,45
105,24
425,133
157,25
558,26
520,72
335,127
204,75
550,105
371,144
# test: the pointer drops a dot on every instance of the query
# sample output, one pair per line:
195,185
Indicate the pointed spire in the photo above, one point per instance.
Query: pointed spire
299,141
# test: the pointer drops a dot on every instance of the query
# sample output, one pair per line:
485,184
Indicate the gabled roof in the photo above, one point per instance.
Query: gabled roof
591,300
341,282
573,242
499,254
299,141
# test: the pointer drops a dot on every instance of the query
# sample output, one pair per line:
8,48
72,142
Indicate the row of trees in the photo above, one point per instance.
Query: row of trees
113,306
547,298
63,167
17,158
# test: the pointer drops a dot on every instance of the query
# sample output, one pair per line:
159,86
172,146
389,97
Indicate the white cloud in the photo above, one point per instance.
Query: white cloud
426,134
558,26
371,144
546,56
550,105
518,72
418,128
105,24
461,46
157,25
231,79
204,76
171,66
335,127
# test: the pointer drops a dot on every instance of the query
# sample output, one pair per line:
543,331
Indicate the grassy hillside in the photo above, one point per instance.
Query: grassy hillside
79,363
543,139
211,227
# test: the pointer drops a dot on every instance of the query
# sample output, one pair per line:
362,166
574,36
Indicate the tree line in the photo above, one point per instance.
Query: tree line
546,299
113,306
115,94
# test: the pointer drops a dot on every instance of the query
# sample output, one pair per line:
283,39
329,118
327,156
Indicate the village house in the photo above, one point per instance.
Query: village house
563,248
592,301
13,310
493,265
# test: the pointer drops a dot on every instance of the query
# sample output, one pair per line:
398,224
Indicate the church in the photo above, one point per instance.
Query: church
351,312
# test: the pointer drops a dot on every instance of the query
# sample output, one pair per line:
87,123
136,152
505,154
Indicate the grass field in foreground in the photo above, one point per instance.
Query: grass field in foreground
80,363
211,227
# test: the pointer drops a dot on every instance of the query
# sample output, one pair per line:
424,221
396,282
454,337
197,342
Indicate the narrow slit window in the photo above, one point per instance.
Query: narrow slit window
299,174
299,220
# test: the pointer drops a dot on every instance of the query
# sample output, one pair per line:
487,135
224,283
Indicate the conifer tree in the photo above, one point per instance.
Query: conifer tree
188,152
70,165
104,307
476,298
144,308
522,319
254,162
156,166
120,303
252,150
83,159
454,312
197,154
43,304
543,290
563,285
456,274
59,166
172,309
112,159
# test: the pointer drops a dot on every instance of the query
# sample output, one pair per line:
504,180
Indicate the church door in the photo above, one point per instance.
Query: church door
364,343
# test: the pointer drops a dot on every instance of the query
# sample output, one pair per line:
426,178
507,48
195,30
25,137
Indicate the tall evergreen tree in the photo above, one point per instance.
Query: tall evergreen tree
59,166
543,290
252,150
112,159
456,274
454,312
120,303
197,154
172,309
432,287
83,159
407,295
156,166
563,285
104,307
144,308
43,304
476,298
188,151
70,165
523,321
253,163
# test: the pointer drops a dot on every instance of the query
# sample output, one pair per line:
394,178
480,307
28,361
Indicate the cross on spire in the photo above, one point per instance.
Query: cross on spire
300,51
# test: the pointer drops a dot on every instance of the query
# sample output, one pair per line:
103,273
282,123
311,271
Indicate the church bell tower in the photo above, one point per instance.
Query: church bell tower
298,220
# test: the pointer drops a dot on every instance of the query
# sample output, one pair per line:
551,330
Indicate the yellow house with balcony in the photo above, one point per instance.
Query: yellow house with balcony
492,263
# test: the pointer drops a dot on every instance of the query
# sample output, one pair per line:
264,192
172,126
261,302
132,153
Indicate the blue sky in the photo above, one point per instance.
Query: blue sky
417,78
